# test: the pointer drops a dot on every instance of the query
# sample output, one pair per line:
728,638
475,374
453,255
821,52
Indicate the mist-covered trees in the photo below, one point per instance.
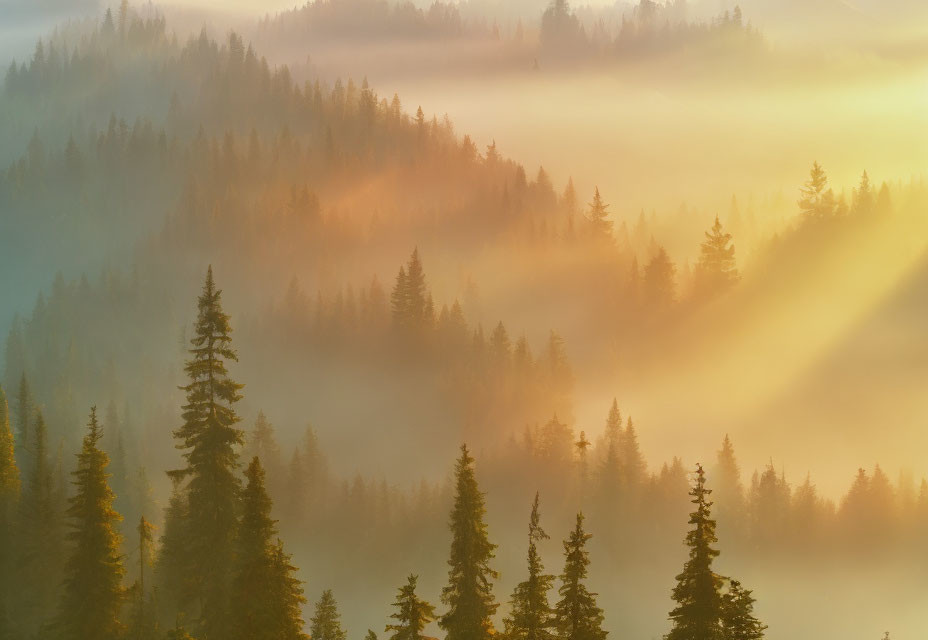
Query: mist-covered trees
469,593
210,439
738,621
530,616
576,614
93,591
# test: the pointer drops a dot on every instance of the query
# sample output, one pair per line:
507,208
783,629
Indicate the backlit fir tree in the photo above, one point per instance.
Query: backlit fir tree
469,593
210,438
93,593
412,613
698,614
531,617
576,615
326,623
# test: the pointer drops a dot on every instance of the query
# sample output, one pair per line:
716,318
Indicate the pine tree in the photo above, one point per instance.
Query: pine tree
576,615
469,593
326,623
210,437
412,613
738,621
600,223
697,593
93,574
816,200
716,270
531,617
266,599
9,496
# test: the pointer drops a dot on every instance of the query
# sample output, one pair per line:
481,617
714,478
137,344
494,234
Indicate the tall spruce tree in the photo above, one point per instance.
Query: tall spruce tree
326,623
266,600
469,593
412,613
816,200
576,615
9,496
738,621
698,614
93,592
531,617
209,438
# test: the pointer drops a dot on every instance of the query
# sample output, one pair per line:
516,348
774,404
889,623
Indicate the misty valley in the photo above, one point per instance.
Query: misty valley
475,319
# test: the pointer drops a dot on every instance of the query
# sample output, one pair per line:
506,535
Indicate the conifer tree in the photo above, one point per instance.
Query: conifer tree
9,496
531,617
93,574
266,599
209,438
817,201
576,615
469,593
698,614
600,223
738,621
716,271
863,199
171,570
412,613
326,623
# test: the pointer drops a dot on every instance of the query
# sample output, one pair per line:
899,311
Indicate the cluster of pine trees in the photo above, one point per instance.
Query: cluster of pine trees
222,570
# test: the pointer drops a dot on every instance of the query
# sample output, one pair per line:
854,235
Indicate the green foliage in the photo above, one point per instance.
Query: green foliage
576,615
469,593
326,622
531,617
698,613
209,438
412,613
93,593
